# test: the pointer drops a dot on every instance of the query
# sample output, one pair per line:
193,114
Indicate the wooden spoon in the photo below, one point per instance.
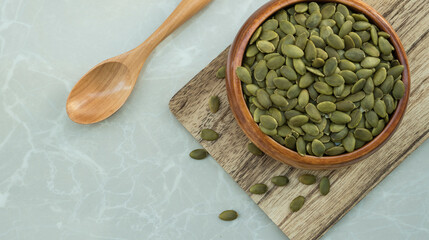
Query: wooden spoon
106,87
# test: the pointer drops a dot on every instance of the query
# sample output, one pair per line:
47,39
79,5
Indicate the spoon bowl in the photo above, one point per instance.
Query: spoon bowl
111,83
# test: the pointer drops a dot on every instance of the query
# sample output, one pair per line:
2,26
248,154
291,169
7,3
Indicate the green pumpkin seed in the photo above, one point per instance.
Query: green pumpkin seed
265,46
318,62
307,179
258,188
310,129
368,102
345,29
287,27
370,62
299,66
326,107
261,70
328,11
270,25
228,215
268,35
330,66
198,154
371,50
398,90
356,39
268,122
280,180
333,53
278,100
310,51
346,65
340,117
293,92
289,73
209,135
380,108
387,85
396,71
335,41
336,127
390,103
363,134
318,42
356,97
338,91
314,114
355,54
257,114
243,74
281,15
348,43
303,98
378,93
255,35
335,80
292,51
324,186
290,142
369,86
334,151
322,54
356,117
313,20
254,149
214,104
297,204
306,80
358,86
301,146
345,106
338,136
384,45
318,148
379,128
361,25
275,62
299,120
220,74
284,131
349,142
349,76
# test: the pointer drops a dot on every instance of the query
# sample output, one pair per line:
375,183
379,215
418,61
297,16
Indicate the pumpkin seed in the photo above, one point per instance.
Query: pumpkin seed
398,90
340,117
289,73
390,103
198,154
384,45
368,102
209,135
292,51
214,104
313,20
345,106
363,134
334,151
387,85
220,74
301,146
258,188
268,122
265,46
290,142
335,80
326,107
355,54
287,27
228,215
293,92
307,179
380,108
379,128
254,149
335,41
356,117
396,71
324,186
349,142
299,66
299,120
297,204
280,180
244,75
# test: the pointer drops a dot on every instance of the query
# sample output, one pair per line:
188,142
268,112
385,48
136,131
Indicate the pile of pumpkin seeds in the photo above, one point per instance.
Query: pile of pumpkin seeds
321,79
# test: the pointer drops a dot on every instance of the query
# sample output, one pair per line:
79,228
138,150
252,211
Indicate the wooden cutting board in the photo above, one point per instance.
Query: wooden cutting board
349,185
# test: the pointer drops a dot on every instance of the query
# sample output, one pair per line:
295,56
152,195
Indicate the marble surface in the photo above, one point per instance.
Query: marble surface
130,176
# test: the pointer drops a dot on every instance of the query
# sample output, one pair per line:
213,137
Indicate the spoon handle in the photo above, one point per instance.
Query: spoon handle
185,10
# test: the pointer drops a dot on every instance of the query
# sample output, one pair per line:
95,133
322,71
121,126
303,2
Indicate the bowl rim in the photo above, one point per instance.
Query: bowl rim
266,143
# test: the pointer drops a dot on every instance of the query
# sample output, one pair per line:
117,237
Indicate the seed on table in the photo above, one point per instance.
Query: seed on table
228,215
221,72
214,104
297,204
209,135
198,154
324,186
280,180
307,179
258,188
254,149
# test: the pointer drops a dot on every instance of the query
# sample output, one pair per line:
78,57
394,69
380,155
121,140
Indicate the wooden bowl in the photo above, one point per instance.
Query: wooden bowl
266,143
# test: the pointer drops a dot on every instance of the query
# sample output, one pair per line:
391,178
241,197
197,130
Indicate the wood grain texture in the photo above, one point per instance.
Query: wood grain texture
349,185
